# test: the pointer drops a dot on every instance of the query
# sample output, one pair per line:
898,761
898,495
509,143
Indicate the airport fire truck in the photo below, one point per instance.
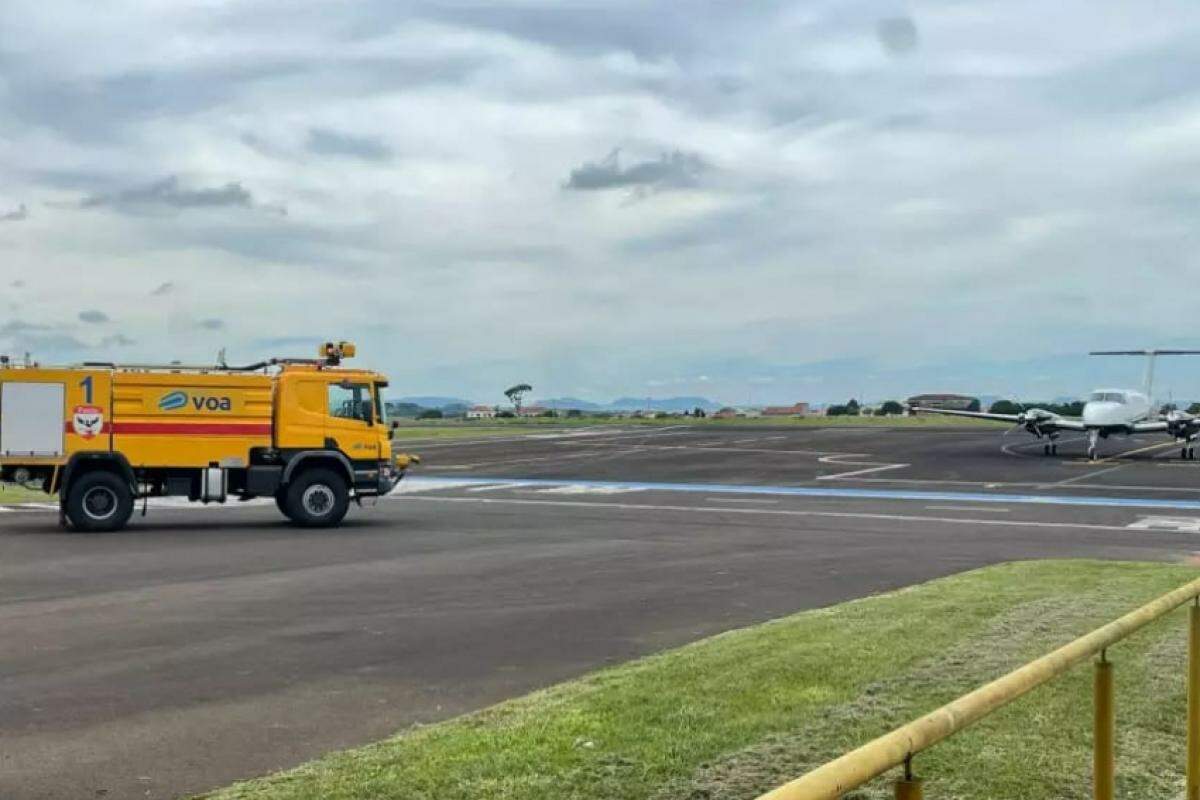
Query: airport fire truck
310,433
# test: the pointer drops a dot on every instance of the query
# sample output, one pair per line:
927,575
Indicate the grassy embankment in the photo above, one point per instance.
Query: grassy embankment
11,494
731,716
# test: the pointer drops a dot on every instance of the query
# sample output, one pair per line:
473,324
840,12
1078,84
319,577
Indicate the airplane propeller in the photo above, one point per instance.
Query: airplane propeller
1029,419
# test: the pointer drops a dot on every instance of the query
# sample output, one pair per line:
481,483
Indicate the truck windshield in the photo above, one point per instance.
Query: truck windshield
380,406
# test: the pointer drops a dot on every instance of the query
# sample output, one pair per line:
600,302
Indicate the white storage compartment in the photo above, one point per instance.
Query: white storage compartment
31,419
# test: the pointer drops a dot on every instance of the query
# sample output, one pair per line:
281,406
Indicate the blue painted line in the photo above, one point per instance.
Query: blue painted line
815,491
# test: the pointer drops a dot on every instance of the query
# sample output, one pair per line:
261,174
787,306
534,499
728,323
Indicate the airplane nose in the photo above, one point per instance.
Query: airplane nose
1098,413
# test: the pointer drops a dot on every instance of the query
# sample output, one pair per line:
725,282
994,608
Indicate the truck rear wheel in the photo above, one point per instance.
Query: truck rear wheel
99,501
317,498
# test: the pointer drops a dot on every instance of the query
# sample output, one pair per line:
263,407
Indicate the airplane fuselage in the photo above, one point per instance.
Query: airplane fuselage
1114,410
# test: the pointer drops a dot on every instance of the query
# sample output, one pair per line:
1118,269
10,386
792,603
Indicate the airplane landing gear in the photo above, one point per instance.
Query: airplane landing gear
1050,448
1188,451
1093,441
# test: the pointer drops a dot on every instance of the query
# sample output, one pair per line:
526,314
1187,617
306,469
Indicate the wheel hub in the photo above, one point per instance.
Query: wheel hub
318,500
100,502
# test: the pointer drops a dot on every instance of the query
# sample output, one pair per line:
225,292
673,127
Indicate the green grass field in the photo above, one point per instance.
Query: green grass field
10,494
734,715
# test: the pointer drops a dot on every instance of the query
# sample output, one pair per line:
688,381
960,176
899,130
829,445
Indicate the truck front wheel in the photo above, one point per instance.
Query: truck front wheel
99,501
281,502
317,498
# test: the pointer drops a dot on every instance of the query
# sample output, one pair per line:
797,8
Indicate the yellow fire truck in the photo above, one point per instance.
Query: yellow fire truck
308,432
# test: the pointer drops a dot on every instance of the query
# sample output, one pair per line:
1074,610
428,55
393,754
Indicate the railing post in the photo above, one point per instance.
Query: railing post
1193,702
1104,732
909,787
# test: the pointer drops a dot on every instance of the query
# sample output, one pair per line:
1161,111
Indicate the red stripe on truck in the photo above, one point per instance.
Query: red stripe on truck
193,428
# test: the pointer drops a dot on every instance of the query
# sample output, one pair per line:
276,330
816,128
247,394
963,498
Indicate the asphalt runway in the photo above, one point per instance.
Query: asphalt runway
203,645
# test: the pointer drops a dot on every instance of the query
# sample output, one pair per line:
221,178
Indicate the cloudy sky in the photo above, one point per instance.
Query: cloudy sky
750,201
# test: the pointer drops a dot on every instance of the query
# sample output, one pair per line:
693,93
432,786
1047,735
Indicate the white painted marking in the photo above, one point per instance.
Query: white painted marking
970,508
840,475
874,466
579,489
411,486
738,500
1180,524
776,512
491,487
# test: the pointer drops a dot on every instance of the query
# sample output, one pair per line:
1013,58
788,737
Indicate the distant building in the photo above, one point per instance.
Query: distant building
952,402
481,412
532,411
794,410
726,413
749,411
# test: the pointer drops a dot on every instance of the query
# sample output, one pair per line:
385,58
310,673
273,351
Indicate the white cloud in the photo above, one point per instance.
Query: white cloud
869,185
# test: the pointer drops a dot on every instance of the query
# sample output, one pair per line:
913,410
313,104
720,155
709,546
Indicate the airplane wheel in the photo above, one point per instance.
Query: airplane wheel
1053,449
1045,449
1091,454
1183,453
1191,454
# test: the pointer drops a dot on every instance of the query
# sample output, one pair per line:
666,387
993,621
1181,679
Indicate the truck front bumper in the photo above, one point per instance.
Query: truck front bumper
392,472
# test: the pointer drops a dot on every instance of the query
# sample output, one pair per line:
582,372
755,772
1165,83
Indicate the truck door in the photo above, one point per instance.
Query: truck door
352,419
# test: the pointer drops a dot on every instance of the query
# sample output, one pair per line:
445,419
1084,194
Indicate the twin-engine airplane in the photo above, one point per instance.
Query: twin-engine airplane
1107,412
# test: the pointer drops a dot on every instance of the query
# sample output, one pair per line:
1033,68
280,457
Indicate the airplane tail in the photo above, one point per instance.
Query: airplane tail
1150,356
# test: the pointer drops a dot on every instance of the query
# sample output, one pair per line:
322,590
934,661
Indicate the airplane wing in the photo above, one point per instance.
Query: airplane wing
1049,422
1013,418
1149,427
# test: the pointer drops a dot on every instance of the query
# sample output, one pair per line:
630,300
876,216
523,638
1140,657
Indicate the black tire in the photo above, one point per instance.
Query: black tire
281,503
317,498
99,501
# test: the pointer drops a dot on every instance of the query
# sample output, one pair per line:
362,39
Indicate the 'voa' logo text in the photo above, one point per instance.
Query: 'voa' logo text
174,401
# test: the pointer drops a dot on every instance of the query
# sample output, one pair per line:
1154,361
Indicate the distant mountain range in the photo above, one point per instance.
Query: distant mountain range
433,401
620,404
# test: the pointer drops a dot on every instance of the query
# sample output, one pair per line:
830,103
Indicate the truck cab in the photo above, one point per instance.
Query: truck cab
309,433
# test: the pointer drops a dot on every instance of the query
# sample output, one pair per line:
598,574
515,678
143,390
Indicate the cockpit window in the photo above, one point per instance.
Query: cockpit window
1107,397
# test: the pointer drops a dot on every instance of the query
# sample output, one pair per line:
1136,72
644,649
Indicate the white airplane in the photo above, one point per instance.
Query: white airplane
1107,412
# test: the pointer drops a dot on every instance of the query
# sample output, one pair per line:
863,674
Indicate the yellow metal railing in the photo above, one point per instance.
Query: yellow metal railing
830,781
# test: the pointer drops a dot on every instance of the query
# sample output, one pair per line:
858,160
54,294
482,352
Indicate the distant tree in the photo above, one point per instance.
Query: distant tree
974,405
836,411
549,412
890,407
699,412
852,408
574,413
430,413
516,394
1004,407
504,413
1194,408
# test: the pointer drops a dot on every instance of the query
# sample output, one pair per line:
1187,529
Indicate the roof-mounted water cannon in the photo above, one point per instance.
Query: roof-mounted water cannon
334,353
